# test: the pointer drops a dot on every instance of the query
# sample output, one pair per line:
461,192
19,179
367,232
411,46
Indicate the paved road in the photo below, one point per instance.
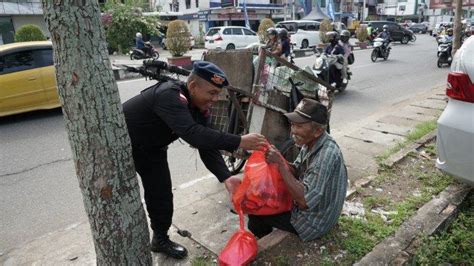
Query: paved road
38,188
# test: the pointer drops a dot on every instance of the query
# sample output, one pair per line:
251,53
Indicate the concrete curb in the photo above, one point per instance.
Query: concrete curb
429,219
398,156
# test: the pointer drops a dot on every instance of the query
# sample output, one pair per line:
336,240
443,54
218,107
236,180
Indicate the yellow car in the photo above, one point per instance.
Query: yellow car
27,78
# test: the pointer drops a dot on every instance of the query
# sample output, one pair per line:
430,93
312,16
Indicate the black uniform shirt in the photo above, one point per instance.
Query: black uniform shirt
162,113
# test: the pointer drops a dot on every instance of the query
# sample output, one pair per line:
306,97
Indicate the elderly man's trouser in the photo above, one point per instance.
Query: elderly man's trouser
262,225
152,166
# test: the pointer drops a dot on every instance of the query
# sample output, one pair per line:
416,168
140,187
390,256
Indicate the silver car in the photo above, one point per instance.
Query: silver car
455,140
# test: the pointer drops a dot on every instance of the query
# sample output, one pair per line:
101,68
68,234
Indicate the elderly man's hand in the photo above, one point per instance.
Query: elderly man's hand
274,156
231,184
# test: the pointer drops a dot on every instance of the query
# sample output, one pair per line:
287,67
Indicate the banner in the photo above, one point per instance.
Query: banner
330,9
436,4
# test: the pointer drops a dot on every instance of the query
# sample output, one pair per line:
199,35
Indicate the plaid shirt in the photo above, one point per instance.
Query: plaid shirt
324,176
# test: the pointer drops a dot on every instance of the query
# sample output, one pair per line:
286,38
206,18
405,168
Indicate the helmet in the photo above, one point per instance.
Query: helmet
449,31
272,31
138,35
332,35
385,27
369,25
283,33
345,35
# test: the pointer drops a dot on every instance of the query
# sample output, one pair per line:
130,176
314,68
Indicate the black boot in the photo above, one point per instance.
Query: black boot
163,244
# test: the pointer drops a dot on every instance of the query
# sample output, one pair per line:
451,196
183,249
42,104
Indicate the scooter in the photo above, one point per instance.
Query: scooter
136,53
379,51
444,54
324,63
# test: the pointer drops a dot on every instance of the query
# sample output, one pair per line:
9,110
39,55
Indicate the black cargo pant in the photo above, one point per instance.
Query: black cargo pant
262,225
152,166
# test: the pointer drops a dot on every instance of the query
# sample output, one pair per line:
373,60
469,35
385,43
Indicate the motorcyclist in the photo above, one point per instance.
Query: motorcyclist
273,44
385,35
344,42
140,44
334,49
449,39
285,43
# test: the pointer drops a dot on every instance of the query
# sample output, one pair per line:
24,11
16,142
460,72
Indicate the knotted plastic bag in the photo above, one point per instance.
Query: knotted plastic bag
263,191
241,248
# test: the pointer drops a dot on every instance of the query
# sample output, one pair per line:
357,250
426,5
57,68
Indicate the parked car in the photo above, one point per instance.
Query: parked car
397,32
304,33
418,28
27,78
455,137
229,37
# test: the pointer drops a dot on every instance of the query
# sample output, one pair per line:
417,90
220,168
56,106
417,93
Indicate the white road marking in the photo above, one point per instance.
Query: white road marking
130,80
193,182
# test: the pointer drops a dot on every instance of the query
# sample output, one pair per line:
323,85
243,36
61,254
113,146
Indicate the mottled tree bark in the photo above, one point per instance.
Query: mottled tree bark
97,133
457,26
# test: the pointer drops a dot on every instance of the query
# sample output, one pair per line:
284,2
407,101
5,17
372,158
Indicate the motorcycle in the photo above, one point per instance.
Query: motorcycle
379,51
136,53
324,63
444,54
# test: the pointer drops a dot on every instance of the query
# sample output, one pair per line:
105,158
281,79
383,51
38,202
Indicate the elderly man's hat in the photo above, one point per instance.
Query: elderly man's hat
309,110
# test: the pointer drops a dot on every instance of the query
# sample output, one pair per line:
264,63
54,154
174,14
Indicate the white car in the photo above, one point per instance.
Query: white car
229,37
455,139
304,33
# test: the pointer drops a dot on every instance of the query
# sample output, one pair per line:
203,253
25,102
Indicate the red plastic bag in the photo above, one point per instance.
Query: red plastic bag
240,250
263,191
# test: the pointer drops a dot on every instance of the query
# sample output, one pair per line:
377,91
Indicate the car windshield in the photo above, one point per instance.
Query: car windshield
291,27
212,31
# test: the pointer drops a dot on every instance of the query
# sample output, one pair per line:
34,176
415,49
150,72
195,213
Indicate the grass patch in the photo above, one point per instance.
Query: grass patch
420,130
201,261
371,202
455,246
281,260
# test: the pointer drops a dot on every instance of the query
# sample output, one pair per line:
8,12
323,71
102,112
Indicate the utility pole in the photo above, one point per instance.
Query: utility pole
457,26
363,11
293,10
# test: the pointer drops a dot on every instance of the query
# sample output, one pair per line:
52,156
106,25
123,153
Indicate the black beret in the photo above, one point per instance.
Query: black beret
210,73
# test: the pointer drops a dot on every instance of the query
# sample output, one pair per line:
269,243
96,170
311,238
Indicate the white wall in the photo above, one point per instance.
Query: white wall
392,8
165,4
19,21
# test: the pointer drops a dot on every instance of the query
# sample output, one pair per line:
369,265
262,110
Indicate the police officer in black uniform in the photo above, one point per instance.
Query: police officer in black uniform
165,112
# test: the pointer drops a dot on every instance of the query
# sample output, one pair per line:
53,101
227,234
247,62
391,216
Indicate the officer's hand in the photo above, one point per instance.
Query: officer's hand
274,156
252,141
231,184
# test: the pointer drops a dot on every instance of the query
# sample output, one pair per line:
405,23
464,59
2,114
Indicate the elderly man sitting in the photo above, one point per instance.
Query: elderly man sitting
317,180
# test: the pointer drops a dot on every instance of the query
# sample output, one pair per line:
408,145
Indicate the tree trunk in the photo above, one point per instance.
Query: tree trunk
97,133
457,26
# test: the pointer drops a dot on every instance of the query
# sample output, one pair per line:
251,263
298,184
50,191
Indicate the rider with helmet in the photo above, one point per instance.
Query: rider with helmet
273,45
334,49
140,44
285,43
344,42
384,35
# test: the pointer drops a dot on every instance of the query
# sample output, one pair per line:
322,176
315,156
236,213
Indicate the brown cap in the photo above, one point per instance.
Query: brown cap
309,110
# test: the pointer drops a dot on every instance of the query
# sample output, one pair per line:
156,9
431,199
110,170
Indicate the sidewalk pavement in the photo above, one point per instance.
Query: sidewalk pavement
203,208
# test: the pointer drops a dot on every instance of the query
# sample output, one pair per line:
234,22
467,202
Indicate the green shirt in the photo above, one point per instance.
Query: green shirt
324,177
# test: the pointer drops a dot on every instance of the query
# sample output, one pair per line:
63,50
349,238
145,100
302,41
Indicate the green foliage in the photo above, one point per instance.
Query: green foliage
177,38
122,22
324,28
361,33
29,33
281,261
453,247
265,24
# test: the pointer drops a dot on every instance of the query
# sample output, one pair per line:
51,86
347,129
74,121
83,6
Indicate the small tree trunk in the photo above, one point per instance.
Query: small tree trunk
97,133
457,26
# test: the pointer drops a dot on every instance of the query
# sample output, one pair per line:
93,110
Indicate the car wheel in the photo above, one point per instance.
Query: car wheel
405,39
374,55
304,44
131,56
230,47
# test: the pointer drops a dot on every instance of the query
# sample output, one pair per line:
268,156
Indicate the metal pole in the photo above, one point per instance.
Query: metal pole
293,10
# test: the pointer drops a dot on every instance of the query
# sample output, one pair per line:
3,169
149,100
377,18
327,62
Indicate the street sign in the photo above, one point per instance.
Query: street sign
227,3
